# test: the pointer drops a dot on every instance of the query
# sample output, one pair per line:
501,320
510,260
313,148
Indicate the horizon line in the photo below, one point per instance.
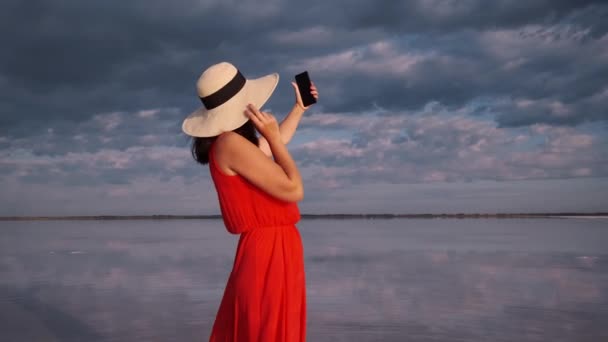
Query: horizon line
308,215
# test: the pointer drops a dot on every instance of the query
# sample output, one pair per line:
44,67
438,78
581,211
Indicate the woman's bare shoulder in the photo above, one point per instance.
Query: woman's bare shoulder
225,148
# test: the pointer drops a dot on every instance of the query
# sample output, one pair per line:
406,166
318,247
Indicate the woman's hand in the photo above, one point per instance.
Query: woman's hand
264,122
313,91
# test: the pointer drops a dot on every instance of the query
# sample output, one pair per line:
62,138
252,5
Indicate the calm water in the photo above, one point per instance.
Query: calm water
367,280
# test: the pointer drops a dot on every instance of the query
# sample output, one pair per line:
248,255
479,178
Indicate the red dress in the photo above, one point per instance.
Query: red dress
265,298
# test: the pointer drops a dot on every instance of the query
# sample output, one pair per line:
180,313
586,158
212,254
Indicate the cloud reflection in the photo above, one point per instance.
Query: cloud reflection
386,280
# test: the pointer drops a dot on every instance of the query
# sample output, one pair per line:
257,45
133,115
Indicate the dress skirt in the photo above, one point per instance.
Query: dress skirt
264,299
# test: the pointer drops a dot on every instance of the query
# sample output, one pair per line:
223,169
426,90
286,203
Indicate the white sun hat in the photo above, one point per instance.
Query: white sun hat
225,94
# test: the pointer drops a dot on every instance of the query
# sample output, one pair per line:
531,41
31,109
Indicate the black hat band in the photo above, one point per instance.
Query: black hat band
225,93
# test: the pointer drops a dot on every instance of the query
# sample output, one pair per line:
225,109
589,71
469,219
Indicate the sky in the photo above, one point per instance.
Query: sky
426,106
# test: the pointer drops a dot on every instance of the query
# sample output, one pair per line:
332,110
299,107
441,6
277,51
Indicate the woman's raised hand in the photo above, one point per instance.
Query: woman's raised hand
313,91
264,122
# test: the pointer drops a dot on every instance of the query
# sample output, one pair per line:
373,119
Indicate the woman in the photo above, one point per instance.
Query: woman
265,297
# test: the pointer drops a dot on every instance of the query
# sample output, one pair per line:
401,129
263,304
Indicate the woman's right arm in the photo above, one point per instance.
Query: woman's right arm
289,125
279,178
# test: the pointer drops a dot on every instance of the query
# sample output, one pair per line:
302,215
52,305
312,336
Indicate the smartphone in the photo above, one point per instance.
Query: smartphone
303,82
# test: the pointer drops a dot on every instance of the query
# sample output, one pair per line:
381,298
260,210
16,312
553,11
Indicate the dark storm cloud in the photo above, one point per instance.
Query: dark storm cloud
71,60
437,16
553,67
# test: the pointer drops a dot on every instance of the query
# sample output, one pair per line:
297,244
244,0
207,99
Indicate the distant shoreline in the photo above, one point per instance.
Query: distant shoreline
311,216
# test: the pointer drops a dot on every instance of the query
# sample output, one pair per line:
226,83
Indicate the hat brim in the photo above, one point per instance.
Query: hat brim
230,115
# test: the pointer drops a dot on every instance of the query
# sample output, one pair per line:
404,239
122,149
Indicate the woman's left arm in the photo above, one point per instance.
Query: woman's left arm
289,125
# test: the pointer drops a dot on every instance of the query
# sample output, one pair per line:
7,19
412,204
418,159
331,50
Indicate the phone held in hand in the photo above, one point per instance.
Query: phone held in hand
303,82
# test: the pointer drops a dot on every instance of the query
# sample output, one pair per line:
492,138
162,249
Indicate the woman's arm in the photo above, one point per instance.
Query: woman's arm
279,178
289,125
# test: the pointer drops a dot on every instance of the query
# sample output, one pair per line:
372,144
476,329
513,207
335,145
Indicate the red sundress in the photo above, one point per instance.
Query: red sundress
265,297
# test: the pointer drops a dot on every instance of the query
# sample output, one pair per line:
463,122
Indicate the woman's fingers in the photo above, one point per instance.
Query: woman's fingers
313,90
253,109
255,112
265,123
253,118
257,115
265,117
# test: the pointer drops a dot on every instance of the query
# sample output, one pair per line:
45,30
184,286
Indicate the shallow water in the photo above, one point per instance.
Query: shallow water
367,280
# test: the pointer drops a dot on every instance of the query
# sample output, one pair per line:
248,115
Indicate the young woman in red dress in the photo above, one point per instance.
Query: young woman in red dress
258,186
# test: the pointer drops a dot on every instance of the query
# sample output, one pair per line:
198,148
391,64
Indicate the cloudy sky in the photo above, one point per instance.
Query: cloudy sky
426,106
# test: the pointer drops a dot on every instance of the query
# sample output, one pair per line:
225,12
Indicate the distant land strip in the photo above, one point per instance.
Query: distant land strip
311,216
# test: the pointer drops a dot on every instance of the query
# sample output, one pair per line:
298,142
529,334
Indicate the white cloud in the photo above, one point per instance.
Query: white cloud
405,148
377,59
314,35
149,113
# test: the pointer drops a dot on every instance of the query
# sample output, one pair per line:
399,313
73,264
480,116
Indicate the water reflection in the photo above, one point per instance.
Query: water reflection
383,280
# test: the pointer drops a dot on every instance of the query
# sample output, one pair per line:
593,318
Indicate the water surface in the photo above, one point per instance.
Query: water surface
367,280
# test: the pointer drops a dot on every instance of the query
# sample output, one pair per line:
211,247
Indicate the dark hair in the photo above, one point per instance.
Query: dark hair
200,146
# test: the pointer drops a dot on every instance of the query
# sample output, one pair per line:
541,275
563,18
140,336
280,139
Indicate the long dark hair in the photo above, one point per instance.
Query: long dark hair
200,146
